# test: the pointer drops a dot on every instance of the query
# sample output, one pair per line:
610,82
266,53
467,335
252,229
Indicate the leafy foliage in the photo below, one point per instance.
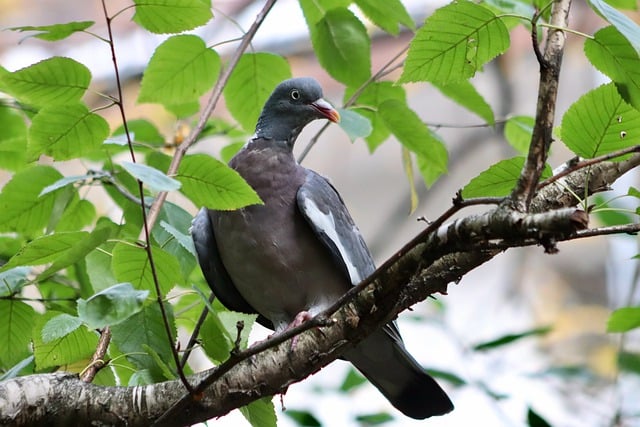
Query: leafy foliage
83,259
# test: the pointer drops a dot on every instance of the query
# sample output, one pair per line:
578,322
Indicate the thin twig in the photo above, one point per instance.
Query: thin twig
145,224
97,360
574,166
196,331
154,211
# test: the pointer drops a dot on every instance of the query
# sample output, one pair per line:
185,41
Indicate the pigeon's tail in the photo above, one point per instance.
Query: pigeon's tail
383,359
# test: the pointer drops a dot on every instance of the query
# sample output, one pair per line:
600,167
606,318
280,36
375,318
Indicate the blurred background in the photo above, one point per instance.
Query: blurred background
567,371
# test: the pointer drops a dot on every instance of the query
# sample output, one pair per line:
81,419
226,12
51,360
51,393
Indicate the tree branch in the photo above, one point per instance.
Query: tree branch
408,277
541,139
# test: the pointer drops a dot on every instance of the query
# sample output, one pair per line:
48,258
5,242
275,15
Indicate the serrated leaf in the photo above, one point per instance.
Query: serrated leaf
260,413
629,29
46,249
498,180
21,208
53,81
19,369
251,83
371,97
153,178
600,122
78,214
111,306
518,131
130,264
210,183
73,347
181,69
388,14
624,319
342,45
143,330
466,95
68,180
16,321
314,10
172,16
141,131
354,124
12,280
454,43
374,419
65,132
411,132
183,239
216,341
59,326
509,338
76,253
55,32
612,54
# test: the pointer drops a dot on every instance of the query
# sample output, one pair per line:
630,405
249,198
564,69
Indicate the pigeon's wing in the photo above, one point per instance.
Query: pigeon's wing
326,213
214,270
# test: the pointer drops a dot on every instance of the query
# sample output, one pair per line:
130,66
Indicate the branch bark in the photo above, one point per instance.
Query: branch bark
407,278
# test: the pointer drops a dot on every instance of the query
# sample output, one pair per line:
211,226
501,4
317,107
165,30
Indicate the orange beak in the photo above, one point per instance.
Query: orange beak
324,108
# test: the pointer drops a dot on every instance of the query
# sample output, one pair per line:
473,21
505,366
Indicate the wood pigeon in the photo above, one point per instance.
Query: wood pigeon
300,251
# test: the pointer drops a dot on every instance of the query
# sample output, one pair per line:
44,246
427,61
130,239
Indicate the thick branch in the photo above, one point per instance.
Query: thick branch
409,277
545,111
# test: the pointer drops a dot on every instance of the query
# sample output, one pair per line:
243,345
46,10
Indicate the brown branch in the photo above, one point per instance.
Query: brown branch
154,211
541,139
97,360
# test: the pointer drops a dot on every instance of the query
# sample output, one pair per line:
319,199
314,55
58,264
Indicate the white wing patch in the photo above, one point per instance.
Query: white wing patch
327,224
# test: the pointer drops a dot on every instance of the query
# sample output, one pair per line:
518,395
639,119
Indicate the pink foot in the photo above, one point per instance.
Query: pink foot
300,318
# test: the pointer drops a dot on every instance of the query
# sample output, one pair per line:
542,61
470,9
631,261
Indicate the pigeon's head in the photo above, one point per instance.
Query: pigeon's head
292,105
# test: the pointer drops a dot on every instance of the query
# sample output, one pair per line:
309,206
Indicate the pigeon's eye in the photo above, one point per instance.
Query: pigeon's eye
295,94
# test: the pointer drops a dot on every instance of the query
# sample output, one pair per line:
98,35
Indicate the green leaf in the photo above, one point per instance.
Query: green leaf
21,208
624,4
466,95
352,380
314,10
12,280
59,326
142,131
53,81
216,341
411,132
342,45
629,362
65,132
600,122
153,178
183,239
374,419
535,420
73,347
78,214
46,249
24,367
407,163
55,32
209,182
386,14
13,139
260,413
172,234
454,43
130,264
624,319
498,180
111,306
80,250
16,321
302,418
68,180
181,69
509,338
144,330
447,376
518,131
251,83
172,16
614,56
629,29
354,124
370,98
